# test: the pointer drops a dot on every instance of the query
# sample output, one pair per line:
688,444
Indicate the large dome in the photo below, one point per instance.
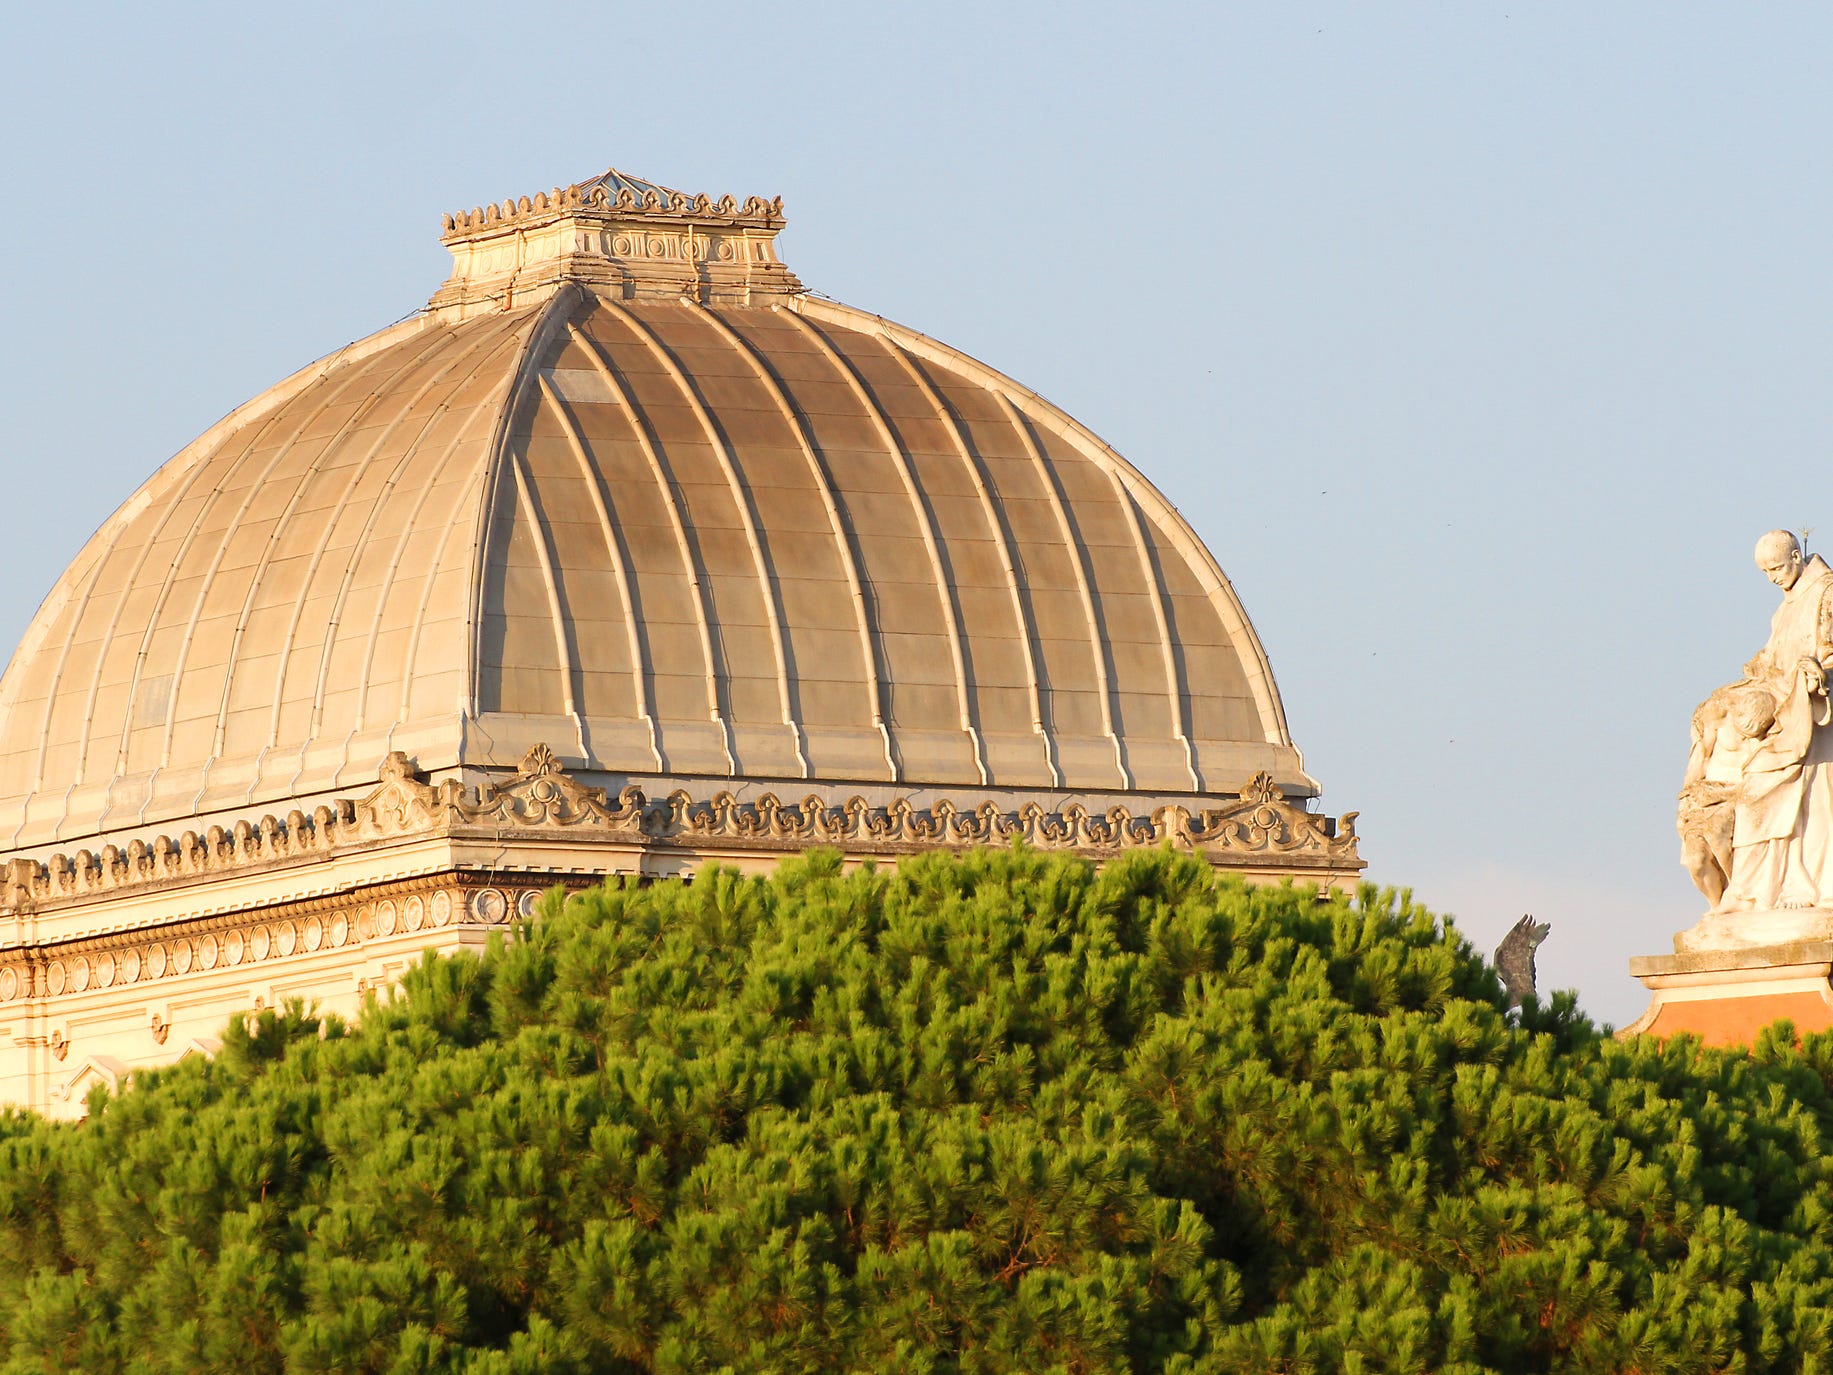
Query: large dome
626,489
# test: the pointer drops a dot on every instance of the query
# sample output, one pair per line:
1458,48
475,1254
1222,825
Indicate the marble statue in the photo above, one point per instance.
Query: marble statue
1756,808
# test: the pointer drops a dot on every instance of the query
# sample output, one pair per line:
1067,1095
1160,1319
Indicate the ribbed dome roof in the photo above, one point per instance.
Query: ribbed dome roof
696,524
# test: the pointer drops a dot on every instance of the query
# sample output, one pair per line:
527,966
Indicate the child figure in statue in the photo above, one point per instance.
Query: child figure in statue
1729,728
1741,796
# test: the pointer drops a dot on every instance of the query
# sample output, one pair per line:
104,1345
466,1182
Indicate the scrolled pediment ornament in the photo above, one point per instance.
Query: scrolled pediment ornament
403,802
1261,821
542,795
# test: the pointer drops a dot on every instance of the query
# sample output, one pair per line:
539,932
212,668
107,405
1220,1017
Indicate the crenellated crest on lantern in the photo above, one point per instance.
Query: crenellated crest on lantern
617,234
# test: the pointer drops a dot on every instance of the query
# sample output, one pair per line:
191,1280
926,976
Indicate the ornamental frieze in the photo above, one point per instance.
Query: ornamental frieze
677,205
1259,827
94,964
1259,822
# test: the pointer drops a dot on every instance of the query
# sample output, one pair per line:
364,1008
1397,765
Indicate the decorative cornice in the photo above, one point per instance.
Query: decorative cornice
271,840
1259,824
673,207
1258,829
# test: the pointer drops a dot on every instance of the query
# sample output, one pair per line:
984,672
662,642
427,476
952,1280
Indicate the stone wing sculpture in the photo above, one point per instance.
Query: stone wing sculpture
1515,957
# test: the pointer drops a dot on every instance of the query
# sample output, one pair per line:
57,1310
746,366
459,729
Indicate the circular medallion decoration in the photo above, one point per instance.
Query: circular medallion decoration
657,248
439,908
54,976
180,957
621,246
725,249
105,970
9,985
526,900
340,929
413,913
386,918
79,974
314,933
489,906
234,944
260,941
207,951
155,961
286,937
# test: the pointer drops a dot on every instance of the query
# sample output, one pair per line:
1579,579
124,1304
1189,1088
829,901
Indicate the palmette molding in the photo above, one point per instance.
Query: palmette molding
753,212
1259,828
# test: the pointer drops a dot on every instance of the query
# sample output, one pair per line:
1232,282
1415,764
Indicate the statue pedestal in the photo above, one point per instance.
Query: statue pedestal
1725,997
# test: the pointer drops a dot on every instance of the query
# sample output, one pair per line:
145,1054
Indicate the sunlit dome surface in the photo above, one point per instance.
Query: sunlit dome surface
626,489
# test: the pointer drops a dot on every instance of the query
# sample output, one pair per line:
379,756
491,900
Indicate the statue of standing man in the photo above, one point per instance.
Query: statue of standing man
1756,811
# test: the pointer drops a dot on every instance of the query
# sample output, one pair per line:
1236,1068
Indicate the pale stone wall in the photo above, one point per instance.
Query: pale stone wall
137,954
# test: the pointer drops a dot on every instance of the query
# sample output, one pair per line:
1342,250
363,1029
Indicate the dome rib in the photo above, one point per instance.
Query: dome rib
469,494
96,566
541,529
549,317
424,490
747,510
1176,690
358,470
1246,644
996,522
642,667
440,354
350,378
89,717
871,634
718,709
944,581
182,471
1099,649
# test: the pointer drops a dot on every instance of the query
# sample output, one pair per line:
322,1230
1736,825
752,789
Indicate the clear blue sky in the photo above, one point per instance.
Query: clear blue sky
1480,341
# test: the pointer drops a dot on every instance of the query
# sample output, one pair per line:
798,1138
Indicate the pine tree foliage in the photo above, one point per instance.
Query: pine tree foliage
991,1113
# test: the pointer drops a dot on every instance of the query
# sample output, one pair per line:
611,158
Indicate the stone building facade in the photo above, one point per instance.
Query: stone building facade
625,555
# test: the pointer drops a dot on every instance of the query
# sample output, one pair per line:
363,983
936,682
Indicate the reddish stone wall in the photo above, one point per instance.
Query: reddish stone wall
1732,1021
